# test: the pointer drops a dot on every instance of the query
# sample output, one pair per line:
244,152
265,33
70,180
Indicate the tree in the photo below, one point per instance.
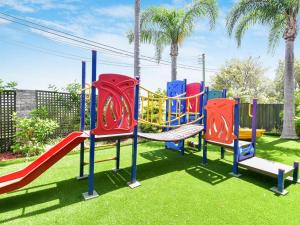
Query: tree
281,17
279,78
7,86
245,78
169,27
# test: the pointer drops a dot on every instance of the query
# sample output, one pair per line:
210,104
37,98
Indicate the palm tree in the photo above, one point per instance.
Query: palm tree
137,9
169,27
282,18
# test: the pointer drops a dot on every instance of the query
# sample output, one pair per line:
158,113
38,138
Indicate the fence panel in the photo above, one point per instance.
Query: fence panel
7,129
268,116
64,108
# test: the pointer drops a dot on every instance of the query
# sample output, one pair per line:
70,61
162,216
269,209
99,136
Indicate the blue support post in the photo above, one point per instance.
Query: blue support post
296,172
91,192
133,182
184,108
254,110
200,114
222,152
204,158
280,183
235,171
118,148
224,93
82,121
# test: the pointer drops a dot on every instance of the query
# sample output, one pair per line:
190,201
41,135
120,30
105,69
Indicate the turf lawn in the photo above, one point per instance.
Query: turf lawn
175,190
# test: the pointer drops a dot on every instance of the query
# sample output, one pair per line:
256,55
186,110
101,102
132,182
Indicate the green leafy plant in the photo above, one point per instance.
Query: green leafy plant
68,103
32,134
245,78
7,86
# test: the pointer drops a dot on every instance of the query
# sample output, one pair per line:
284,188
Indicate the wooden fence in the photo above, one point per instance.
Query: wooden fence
268,116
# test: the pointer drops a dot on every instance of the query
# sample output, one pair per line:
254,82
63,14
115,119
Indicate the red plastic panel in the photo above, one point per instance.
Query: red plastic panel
220,120
23,177
115,104
193,89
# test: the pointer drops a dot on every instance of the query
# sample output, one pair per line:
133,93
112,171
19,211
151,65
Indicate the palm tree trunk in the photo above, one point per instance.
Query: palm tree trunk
288,131
137,34
174,54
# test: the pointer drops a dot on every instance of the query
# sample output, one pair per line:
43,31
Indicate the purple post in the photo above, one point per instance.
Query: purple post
254,109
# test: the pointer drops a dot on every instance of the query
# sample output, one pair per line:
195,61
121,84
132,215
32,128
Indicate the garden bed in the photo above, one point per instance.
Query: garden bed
9,156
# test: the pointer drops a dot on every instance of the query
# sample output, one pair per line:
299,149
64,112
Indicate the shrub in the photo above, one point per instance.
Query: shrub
32,134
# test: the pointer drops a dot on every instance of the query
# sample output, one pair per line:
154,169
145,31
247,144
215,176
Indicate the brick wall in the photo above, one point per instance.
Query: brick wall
25,102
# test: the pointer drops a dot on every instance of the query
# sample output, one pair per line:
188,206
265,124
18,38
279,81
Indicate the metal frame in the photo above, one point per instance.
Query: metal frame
224,95
82,120
133,182
235,168
254,112
204,153
201,114
91,192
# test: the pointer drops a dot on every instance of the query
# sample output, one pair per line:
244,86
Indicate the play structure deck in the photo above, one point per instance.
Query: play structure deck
177,134
266,167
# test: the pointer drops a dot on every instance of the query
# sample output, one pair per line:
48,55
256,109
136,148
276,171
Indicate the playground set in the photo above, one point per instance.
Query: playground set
190,110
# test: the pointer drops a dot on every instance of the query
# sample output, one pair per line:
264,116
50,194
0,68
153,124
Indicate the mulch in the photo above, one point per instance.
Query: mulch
9,156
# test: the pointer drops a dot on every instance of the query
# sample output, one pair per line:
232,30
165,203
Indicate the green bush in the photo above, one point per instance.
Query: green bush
32,134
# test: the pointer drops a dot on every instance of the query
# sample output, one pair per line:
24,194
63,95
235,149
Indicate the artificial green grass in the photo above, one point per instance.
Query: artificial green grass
175,190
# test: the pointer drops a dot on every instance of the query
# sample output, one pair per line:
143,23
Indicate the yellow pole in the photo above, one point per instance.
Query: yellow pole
148,107
142,106
151,114
160,111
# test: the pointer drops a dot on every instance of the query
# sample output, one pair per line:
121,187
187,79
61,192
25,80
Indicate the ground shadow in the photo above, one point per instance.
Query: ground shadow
68,192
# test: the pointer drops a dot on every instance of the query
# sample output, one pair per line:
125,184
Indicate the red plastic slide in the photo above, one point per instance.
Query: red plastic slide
23,177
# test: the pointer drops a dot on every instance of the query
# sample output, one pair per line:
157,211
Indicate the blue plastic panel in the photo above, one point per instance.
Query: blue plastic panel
175,88
246,153
214,94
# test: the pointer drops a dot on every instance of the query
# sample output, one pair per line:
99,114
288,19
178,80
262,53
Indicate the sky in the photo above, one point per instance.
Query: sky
34,60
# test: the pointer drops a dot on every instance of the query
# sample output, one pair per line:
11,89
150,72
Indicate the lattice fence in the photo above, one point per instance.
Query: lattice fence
7,108
61,107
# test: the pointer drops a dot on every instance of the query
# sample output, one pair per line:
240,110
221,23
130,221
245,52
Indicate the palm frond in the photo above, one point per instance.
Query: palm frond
247,13
244,7
276,32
